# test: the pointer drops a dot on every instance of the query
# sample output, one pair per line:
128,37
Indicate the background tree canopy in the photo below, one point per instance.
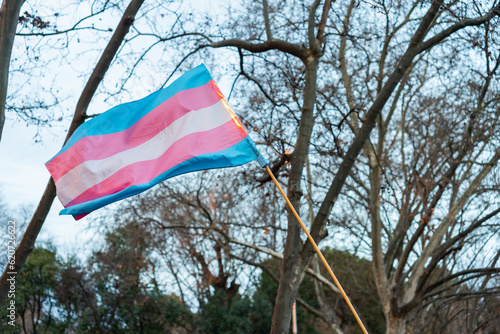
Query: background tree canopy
381,119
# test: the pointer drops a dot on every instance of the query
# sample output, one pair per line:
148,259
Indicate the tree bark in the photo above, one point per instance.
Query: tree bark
291,273
28,240
9,16
395,325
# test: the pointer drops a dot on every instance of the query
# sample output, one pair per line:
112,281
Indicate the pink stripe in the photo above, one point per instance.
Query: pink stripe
142,172
80,216
103,146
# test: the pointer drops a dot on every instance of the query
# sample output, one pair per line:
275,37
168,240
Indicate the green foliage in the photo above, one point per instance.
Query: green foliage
356,276
108,295
116,292
121,294
35,287
5,327
262,314
223,315
266,295
236,314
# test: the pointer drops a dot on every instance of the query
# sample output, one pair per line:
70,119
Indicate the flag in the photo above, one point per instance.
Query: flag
128,149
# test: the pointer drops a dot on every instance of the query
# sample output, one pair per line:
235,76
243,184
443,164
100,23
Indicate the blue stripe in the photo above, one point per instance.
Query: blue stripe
125,115
236,155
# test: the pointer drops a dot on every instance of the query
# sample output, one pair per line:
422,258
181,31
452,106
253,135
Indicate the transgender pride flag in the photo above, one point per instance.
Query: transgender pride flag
185,127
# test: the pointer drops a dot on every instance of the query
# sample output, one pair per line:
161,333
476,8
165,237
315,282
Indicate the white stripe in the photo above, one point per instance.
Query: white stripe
91,172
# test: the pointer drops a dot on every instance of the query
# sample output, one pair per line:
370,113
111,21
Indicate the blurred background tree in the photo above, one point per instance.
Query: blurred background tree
379,117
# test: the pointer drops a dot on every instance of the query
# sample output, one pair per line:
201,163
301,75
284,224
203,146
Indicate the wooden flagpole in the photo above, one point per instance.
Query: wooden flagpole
294,319
318,251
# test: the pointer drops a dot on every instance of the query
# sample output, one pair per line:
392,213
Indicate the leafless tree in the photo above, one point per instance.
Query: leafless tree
411,32
393,105
428,189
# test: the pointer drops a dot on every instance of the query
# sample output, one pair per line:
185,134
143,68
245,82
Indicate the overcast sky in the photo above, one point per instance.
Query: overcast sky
23,176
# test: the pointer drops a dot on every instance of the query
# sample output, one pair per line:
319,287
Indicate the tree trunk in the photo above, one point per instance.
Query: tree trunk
395,325
9,15
292,272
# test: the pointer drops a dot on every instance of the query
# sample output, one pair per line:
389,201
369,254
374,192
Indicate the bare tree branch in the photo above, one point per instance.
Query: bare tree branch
274,44
265,12
439,37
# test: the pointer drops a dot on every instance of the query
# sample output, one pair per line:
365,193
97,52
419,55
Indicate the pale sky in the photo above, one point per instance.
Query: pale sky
23,176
